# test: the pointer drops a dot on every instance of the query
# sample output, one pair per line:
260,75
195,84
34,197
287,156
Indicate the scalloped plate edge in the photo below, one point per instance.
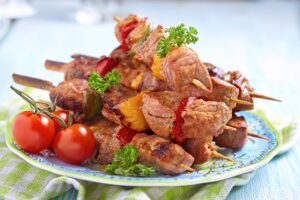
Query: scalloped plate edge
86,177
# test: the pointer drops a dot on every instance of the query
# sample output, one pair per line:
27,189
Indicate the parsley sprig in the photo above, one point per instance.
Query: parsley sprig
100,84
125,163
176,37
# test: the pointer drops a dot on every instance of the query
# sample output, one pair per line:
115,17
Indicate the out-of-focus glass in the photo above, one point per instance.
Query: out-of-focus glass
14,9
95,11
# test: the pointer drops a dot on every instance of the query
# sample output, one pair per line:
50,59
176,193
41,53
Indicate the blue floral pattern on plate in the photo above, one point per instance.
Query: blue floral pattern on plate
255,151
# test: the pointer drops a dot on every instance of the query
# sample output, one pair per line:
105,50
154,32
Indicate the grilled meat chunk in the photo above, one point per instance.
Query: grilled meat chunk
200,149
165,156
149,82
158,109
80,67
146,51
70,94
222,92
200,118
112,98
240,81
214,71
123,59
204,118
106,141
234,139
180,67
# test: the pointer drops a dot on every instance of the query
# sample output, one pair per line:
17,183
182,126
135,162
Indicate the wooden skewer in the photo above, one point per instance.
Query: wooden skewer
256,95
78,55
118,19
229,128
55,65
218,155
257,136
199,84
32,82
241,101
187,168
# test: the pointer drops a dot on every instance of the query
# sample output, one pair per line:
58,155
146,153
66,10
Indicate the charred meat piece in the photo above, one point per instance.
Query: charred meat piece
70,94
202,118
106,141
124,59
158,109
156,151
149,82
200,149
146,51
240,81
111,98
76,95
180,67
80,67
222,92
214,71
234,139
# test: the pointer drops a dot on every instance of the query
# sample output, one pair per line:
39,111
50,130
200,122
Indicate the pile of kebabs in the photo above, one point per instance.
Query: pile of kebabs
173,109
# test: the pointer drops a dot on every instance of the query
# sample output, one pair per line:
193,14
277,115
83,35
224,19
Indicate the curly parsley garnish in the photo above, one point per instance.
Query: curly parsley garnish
100,84
125,163
176,37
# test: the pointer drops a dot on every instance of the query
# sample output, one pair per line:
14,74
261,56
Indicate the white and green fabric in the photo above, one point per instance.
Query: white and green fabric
20,180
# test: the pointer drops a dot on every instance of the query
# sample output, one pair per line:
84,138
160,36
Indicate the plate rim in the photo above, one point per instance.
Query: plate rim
143,182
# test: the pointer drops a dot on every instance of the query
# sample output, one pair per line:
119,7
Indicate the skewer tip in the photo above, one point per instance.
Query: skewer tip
218,155
117,19
257,136
230,128
199,84
238,101
187,168
261,96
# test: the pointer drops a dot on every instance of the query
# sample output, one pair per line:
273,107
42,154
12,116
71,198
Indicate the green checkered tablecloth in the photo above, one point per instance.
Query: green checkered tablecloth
20,180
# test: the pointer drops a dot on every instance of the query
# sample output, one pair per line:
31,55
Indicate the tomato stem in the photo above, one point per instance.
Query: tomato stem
36,109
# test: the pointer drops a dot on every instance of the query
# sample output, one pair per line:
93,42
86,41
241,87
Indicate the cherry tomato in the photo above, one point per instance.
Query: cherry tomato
74,144
64,115
33,132
105,64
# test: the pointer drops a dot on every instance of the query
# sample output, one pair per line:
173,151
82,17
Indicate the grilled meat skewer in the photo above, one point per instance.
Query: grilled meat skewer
246,91
74,95
179,68
199,117
237,138
143,79
154,151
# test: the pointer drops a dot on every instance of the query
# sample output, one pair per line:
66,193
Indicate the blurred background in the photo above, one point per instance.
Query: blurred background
259,38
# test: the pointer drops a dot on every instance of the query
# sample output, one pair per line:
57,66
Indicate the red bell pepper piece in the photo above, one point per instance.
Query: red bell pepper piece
105,64
125,135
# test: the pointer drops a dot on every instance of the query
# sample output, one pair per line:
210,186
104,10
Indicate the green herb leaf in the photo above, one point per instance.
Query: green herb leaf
177,36
125,163
101,84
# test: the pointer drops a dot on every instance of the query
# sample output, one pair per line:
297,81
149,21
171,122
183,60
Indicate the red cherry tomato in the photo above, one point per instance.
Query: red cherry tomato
64,115
105,64
74,144
33,132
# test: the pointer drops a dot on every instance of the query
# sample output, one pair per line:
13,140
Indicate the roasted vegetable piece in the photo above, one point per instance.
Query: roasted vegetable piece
93,105
132,113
